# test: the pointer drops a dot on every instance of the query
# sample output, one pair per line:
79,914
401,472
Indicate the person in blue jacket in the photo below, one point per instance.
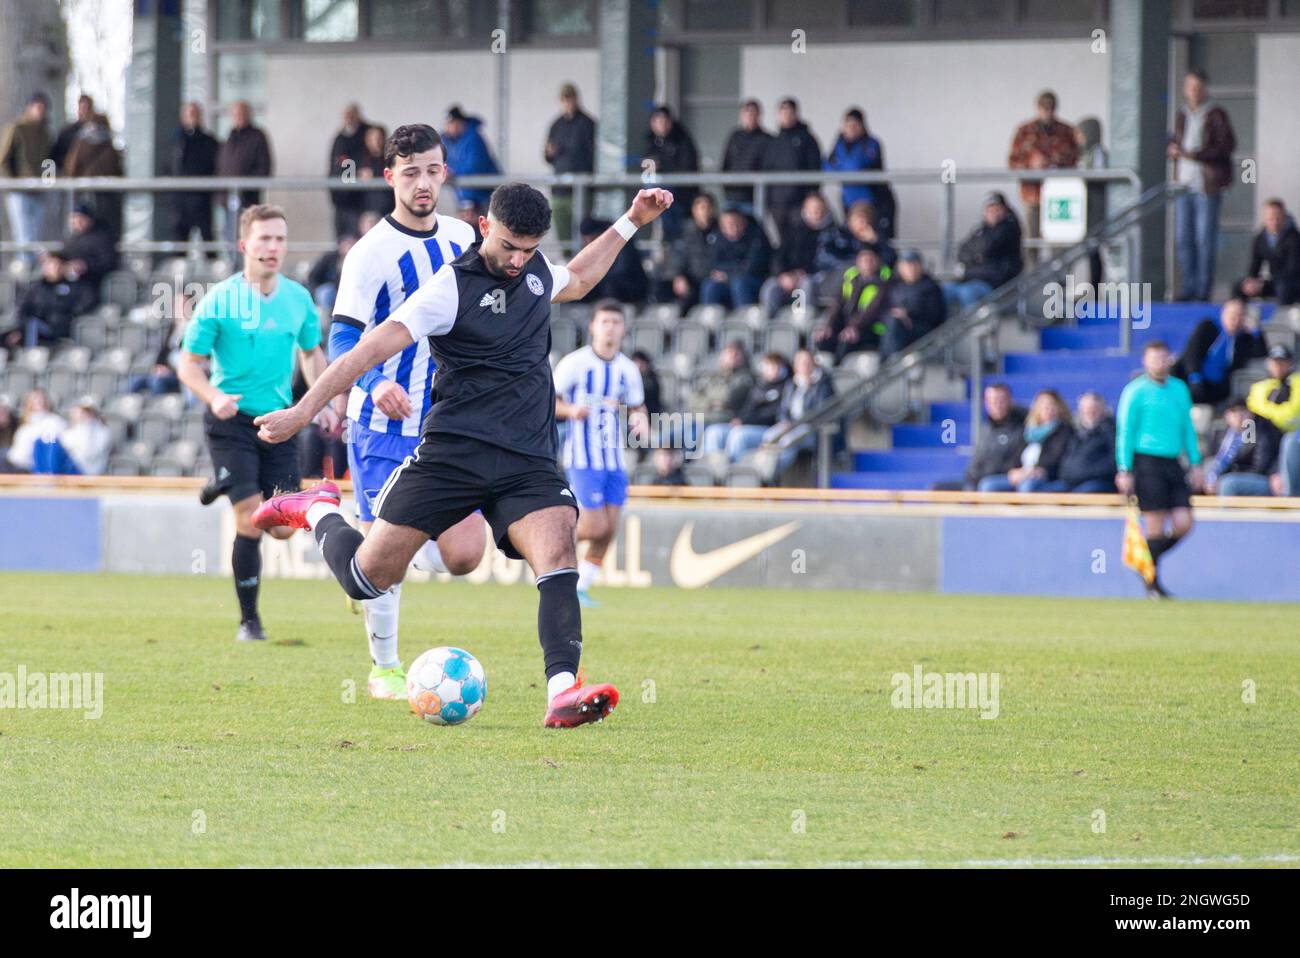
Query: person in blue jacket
468,154
856,149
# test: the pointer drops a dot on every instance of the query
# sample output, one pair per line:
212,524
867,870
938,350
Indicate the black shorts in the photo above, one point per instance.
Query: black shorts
450,476
1160,484
254,464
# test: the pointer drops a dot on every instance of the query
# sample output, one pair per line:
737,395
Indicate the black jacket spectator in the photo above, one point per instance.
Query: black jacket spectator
999,448
793,148
626,280
839,247
246,152
992,253
746,152
1261,456
674,153
925,307
748,256
96,248
819,392
1283,259
799,246
763,404
574,142
1192,366
1053,452
347,154
193,154
48,308
1090,456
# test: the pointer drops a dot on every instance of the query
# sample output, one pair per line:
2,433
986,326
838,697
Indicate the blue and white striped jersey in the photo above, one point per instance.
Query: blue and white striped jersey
387,265
609,389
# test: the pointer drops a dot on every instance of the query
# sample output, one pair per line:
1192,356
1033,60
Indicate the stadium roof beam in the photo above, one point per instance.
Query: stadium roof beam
627,33
1139,116
153,102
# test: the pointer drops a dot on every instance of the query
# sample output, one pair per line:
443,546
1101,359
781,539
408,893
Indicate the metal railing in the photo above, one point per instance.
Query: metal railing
975,325
583,186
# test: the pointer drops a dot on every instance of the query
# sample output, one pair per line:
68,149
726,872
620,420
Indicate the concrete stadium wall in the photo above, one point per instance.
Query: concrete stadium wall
1277,66
930,102
952,549
397,88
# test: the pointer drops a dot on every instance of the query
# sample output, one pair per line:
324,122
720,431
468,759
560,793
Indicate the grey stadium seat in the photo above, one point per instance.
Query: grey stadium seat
156,428
93,332
697,474
743,477
648,334
134,338
17,382
782,338
184,452
755,316
116,360
120,288
63,384
742,331
139,449
103,383
667,314
691,338
710,315
123,465
76,358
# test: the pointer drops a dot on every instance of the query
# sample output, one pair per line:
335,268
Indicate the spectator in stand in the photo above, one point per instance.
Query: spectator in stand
856,321
691,256
8,424
838,248
914,305
1277,400
1217,349
1043,143
626,280
650,385
93,154
24,148
670,149
808,389
1248,457
468,154
87,440
1041,447
347,154
36,440
856,149
68,135
1093,156
194,154
758,413
1201,149
1089,461
378,202
162,379
989,257
741,254
720,396
89,251
998,449
668,468
746,152
246,152
793,148
1277,244
796,260
48,306
323,280
570,148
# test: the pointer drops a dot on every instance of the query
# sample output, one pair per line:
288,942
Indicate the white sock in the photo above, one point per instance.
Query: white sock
556,684
381,627
429,559
587,572
319,510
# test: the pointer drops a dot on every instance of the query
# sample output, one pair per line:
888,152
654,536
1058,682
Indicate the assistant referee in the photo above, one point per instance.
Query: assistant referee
251,325
1155,428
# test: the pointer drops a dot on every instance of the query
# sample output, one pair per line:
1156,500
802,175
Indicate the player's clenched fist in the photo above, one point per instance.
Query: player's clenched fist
280,425
648,205
391,399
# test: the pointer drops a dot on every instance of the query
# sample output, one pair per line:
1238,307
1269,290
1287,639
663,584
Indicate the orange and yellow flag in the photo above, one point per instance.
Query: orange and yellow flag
1137,554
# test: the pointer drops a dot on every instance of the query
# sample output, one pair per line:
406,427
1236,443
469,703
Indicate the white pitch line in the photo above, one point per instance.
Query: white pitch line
894,863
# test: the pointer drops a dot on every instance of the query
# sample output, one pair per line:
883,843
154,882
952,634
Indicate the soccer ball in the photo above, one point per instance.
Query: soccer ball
446,686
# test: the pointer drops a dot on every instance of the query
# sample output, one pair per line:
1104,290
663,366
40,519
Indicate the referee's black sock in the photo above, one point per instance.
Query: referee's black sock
246,562
339,543
559,621
1159,545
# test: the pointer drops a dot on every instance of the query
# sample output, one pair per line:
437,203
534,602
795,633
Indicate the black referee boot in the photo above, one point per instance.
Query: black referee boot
215,487
250,630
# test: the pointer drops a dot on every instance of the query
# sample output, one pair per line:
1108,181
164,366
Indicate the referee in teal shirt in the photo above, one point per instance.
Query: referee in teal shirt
252,327
1155,428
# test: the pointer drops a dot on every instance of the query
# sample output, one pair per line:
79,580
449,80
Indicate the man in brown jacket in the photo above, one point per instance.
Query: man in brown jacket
24,147
246,152
1043,143
1201,149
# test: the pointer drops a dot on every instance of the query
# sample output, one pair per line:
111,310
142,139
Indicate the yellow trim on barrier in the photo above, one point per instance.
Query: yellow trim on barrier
10,484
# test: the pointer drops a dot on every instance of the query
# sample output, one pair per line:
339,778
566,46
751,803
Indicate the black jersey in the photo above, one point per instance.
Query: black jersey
491,339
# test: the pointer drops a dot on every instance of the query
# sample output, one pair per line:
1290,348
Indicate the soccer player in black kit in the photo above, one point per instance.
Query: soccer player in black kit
489,439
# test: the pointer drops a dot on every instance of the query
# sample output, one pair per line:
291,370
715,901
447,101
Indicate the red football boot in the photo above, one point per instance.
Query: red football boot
290,509
580,704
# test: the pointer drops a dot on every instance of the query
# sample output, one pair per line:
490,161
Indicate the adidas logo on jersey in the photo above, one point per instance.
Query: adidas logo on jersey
487,300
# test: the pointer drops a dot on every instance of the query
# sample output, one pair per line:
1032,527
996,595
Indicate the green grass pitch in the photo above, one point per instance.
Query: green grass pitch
755,727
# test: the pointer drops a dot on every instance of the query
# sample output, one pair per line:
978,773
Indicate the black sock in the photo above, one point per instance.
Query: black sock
246,561
1159,545
559,621
339,543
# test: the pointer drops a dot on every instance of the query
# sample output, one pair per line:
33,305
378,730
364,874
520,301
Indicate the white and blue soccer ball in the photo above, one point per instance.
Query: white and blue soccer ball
446,686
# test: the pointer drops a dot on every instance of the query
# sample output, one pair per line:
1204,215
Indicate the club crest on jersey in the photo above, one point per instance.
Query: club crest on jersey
535,284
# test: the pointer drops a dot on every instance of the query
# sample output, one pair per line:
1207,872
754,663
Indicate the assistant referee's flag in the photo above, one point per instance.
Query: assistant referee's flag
1137,554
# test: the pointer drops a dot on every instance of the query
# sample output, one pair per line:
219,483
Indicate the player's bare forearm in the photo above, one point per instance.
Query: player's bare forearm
594,260
314,365
566,410
385,340
189,372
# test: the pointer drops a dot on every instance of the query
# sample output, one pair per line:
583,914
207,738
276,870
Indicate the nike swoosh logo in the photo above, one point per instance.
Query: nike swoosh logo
691,570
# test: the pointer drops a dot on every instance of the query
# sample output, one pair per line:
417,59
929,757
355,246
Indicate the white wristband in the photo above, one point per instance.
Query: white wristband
626,228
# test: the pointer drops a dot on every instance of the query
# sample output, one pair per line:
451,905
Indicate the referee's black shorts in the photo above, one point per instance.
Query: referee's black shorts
1160,483
451,476
254,465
